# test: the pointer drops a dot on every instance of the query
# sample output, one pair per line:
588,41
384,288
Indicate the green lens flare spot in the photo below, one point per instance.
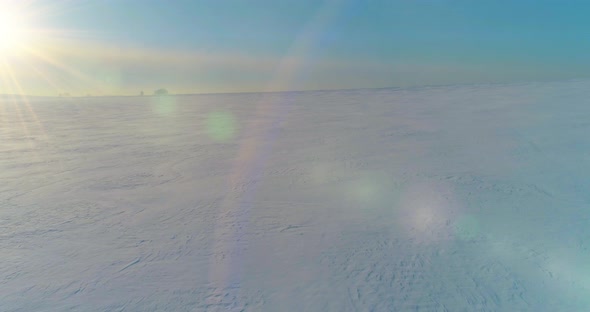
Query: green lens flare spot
221,126
164,105
366,191
111,78
467,228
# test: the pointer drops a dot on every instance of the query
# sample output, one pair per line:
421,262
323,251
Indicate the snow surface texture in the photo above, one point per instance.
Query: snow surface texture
464,198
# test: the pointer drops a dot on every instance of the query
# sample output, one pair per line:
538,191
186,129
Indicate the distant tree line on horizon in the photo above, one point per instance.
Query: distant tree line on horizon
161,92
158,92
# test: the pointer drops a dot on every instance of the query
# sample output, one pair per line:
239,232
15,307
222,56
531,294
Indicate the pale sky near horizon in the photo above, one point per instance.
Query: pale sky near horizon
101,47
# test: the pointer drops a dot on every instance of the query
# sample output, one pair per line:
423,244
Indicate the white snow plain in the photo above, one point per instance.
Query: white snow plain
459,198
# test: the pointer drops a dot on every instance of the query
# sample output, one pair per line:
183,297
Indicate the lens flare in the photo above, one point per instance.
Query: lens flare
467,227
221,126
164,106
425,209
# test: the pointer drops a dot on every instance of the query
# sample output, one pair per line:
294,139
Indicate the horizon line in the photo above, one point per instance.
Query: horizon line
302,91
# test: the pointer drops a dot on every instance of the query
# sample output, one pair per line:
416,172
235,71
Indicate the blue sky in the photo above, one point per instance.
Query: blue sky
233,46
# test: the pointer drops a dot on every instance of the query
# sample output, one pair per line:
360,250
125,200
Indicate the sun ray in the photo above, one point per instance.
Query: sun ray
17,99
14,97
15,103
58,65
38,49
43,75
38,121
3,79
41,51
24,99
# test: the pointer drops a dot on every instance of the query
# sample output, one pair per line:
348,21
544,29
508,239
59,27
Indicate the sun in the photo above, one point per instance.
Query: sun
14,32
35,54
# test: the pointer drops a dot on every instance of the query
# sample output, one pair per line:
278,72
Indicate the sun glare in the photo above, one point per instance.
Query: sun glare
31,49
14,32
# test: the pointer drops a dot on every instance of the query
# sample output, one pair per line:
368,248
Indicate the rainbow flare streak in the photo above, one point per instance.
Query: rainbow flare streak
229,239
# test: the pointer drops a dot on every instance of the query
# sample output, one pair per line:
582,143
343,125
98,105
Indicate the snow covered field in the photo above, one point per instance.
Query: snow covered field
460,198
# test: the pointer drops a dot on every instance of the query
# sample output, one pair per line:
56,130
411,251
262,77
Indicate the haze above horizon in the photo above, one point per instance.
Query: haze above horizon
125,47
